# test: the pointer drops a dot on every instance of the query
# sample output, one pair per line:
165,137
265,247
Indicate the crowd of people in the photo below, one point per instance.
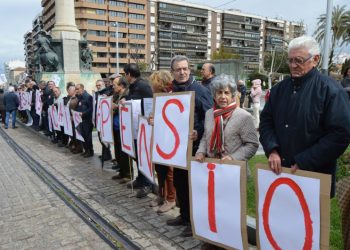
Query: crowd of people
305,123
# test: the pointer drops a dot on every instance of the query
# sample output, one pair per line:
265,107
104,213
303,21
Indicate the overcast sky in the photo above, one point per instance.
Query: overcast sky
16,17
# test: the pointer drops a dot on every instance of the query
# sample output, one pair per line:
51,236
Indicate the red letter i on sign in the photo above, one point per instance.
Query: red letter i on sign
211,198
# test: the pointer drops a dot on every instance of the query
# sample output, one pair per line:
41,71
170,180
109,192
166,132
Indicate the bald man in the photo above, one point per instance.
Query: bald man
208,75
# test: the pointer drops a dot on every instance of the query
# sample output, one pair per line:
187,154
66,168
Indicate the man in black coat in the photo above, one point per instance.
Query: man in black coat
11,103
183,81
305,124
138,89
85,106
208,75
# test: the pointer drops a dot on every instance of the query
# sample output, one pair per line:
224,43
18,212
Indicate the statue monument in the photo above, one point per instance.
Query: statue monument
62,55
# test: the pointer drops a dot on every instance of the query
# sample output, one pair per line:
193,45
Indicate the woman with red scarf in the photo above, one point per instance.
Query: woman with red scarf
229,131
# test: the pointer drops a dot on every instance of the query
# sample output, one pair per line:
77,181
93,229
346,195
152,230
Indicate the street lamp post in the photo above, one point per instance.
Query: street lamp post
327,37
117,44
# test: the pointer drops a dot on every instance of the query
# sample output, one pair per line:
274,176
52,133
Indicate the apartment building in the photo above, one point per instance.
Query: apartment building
97,21
152,31
179,28
241,35
29,44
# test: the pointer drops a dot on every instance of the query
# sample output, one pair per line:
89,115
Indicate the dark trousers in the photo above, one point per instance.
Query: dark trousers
36,118
182,192
141,179
121,157
86,133
3,115
106,151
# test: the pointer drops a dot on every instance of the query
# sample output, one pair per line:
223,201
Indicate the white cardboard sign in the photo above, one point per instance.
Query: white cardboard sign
77,120
126,129
172,123
68,129
38,103
216,203
54,118
288,211
144,137
98,113
60,111
106,117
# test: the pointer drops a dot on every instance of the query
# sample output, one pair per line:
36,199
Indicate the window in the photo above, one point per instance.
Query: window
96,22
120,34
138,46
99,44
100,12
136,26
136,6
96,1
162,5
117,3
96,33
136,16
101,54
136,36
117,13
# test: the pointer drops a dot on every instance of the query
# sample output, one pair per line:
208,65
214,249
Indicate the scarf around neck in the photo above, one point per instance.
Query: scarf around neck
217,137
179,87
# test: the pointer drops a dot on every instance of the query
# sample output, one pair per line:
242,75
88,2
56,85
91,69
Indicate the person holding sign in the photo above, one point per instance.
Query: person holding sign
120,91
162,83
183,81
305,123
101,90
85,107
229,131
138,89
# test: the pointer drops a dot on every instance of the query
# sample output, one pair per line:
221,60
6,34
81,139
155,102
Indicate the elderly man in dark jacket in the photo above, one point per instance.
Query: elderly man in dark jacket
305,123
183,81
11,103
85,106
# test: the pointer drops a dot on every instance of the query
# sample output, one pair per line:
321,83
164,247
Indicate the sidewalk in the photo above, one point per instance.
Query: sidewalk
32,216
114,201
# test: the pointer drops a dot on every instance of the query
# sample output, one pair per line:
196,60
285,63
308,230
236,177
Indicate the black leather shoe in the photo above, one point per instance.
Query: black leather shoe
89,154
134,184
14,127
115,167
143,192
178,221
187,232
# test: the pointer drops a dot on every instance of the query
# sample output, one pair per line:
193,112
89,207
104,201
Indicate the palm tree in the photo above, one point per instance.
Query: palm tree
340,29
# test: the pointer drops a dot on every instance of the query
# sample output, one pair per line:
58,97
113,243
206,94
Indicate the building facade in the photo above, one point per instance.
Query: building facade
150,32
97,21
179,28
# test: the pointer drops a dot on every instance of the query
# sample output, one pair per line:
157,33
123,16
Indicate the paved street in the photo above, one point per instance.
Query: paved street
114,201
87,180
32,216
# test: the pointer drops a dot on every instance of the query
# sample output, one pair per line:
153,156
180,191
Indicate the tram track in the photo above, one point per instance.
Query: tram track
105,229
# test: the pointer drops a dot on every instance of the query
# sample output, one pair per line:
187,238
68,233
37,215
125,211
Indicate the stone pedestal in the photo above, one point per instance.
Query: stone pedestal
87,78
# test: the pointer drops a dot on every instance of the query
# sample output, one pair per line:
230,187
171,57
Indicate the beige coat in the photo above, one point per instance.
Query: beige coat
240,136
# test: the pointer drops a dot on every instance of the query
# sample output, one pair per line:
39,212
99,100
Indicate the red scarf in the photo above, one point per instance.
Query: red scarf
217,137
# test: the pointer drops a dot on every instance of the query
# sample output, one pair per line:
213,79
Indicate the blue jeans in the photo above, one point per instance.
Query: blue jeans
13,115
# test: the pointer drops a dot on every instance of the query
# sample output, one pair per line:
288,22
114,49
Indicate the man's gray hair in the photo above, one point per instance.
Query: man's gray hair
178,58
11,89
222,82
305,42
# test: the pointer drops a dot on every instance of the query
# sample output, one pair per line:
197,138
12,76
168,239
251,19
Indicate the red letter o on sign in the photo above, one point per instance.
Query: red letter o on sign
307,217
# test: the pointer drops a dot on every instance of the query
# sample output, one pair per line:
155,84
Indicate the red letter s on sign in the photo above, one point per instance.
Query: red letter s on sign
164,155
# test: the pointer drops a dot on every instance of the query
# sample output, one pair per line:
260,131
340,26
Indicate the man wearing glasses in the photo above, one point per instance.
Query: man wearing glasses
305,124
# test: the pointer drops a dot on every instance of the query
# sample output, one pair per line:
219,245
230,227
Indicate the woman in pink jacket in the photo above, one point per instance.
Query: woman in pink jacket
255,94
